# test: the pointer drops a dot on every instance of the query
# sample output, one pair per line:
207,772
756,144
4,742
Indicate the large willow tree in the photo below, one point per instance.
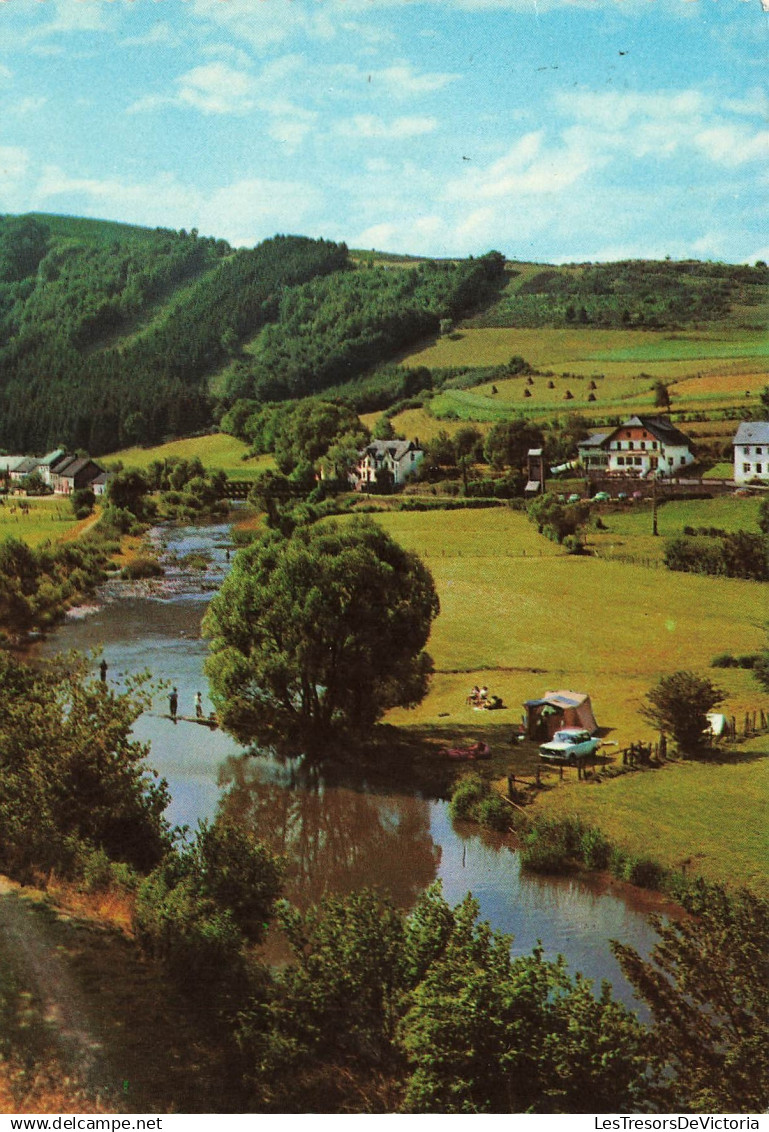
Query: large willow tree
319,633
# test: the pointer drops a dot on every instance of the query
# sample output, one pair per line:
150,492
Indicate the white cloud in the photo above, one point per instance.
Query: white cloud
527,169
14,165
216,88
403,81
243,212
371,126
733,145
159,35
25,106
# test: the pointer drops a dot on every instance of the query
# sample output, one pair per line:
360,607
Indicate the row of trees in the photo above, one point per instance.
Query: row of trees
377,1011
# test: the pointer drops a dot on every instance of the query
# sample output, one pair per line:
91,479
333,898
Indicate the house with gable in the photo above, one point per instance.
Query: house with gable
386,461
72,473
640,447
751,452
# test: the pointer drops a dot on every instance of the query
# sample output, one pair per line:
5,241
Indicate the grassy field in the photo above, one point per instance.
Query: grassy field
629,529
49,518
708,371
521,616
712,819
218,450
619,352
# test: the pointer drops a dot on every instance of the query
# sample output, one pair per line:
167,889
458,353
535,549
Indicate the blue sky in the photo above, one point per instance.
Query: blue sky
550,130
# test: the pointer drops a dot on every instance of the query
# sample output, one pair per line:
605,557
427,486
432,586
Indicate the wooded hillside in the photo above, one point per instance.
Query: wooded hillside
113,336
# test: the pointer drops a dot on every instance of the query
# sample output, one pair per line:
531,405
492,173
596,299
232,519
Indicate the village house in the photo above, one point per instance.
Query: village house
751,452
639,447
73,473
386,462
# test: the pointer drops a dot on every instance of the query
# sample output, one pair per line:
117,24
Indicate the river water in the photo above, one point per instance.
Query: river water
340,836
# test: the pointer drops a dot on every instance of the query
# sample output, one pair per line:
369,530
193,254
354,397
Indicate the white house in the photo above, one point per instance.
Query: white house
639,447
398,459
751,452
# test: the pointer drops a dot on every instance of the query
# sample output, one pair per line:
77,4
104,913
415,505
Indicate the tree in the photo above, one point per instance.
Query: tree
83,501
661,395
763,515
128,491
508,442
678,705
707,986
72,777
319,632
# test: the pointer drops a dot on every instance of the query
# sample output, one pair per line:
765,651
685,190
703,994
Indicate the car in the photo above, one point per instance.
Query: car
570,745
573,498
601,497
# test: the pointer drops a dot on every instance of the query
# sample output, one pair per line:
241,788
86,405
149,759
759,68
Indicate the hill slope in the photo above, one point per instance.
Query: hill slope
113,335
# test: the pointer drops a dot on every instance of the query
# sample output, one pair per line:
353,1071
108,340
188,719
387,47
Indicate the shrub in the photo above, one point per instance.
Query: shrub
143,567
595,849
468,792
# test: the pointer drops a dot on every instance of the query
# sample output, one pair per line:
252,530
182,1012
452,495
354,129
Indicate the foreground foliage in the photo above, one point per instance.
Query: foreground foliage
72,779
707,986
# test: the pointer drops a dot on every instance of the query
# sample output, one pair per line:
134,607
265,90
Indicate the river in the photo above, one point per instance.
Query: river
340,836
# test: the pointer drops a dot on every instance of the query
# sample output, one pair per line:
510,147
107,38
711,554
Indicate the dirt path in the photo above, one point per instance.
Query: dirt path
95,1007
39,963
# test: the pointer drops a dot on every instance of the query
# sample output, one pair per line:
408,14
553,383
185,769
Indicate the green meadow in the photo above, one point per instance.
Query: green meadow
49,518
710,819
704,371
628,530
215,451
520,615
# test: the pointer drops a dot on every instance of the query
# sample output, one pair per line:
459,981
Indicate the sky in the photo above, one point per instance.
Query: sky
550,130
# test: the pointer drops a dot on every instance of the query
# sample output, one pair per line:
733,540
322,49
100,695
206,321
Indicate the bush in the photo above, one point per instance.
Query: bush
595,849
143,567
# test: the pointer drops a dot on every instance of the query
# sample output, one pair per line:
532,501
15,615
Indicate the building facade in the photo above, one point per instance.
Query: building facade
751,452
640,447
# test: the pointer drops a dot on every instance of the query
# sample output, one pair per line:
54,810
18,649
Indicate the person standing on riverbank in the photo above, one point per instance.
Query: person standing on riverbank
198,706
173,704
103,671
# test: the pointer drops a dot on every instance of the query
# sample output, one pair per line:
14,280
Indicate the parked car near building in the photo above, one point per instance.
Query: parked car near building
570,745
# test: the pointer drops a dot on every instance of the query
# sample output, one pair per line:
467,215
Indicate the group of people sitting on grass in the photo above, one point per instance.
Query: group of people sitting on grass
480,698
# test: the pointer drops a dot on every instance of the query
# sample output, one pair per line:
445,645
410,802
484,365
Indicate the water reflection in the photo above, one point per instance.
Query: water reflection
335,839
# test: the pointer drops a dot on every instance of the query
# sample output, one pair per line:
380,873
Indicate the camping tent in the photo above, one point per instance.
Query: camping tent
556,710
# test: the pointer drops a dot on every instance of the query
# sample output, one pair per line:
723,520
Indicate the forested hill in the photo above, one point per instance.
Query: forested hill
108,334
112,335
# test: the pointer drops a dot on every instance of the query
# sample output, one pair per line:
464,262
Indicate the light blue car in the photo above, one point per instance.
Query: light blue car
571,745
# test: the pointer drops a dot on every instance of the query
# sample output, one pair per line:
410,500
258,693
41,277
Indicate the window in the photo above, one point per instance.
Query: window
759,468
621,460
758,452
746,468
638,460
683,459
643,444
